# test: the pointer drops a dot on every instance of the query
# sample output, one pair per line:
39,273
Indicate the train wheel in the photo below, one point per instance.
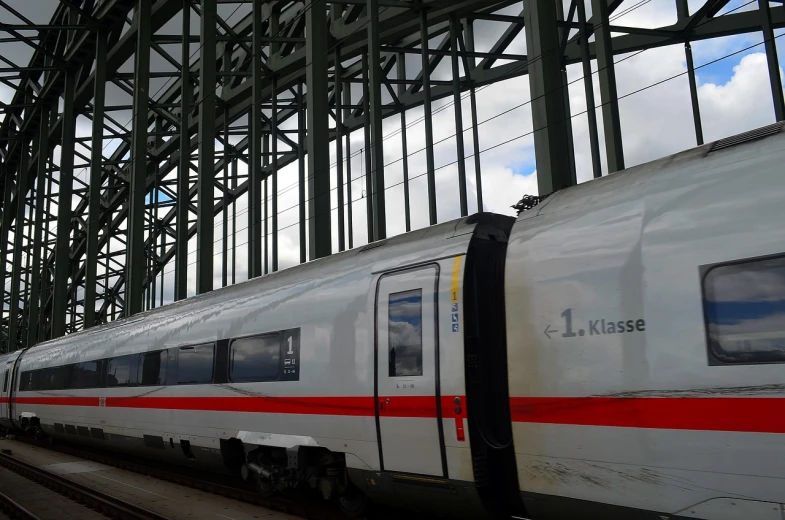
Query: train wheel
353,503
266,487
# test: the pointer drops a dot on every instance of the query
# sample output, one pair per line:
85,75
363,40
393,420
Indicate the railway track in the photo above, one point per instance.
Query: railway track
303,507
102,503
14,510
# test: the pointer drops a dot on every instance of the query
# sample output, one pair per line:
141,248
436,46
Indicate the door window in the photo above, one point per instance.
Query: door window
405,333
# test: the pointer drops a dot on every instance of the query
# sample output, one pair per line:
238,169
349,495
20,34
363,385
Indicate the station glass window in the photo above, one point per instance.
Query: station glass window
118,371
744,307
256,358
152,368
405,333
195,364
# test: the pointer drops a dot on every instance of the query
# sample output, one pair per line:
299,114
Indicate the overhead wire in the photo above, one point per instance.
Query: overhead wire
520,136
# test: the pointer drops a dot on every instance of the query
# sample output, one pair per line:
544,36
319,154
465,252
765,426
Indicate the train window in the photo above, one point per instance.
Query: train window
195,364
49,379
744,307
5,381
405,333
255,359
86,375
152,368
119,370
25,381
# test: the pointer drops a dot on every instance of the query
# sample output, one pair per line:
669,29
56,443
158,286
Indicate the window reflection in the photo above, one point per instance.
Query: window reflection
255,359
745,310
195,364
405,333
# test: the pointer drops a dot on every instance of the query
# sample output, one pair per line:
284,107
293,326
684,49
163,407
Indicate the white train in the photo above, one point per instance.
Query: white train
616,352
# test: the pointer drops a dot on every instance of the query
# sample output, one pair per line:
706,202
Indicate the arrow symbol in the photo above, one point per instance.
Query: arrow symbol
547,330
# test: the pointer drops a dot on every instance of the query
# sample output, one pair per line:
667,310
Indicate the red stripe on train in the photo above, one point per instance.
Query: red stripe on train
399,406
734,414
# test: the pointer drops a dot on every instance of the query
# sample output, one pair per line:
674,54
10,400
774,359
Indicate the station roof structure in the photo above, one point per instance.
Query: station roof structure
153,149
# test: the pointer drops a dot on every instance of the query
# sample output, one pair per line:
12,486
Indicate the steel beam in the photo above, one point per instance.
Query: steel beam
347,101
274,173
455,35
60,295
301,166
206,138
549,115
611,121
376,145
316,58
184,169
94,190
42,146
588,84
338,93
426,88
771,57
255,149
135,264
400,64
469,31
7,214
18,247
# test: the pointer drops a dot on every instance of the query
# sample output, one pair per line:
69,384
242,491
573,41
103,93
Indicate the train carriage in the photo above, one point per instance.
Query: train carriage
646,339
615,352
347,373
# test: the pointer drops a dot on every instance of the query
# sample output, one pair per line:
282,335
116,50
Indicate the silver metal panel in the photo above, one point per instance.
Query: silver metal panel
629,247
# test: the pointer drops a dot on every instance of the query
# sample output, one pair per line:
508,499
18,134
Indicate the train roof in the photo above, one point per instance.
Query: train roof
637,180
443,240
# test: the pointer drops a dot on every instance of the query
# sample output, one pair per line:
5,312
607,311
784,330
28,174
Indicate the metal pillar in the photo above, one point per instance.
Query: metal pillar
426,88
184,169
455,29
135,265
316,58
94,194
255,149
265,153
588,84
347,102
549,117
401,72
376,145
364,152
338,90
4,238
60,294
301,170
771,56
16,265
469,31
683,12
206,139
40,195
614,149
274,174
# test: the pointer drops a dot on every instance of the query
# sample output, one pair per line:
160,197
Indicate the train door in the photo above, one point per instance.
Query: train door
5,391
407,375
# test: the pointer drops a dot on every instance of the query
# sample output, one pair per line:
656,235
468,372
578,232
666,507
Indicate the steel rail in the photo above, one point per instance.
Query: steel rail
307,509
14,509
103,503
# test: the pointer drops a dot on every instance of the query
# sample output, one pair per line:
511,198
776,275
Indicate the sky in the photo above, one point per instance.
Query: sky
734,96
